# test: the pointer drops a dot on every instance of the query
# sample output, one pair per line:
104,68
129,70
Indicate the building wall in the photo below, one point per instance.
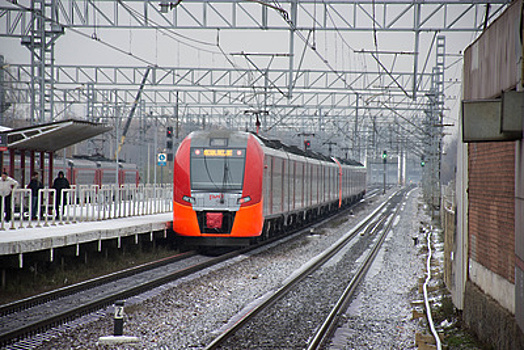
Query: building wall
491,62
495,186
494,325
492,206
492,219
519,236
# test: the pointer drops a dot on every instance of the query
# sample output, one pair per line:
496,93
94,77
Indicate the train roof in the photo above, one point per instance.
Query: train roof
237,138
219,137
277,144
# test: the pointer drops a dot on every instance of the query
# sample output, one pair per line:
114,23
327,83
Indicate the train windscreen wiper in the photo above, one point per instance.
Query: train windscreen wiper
224,180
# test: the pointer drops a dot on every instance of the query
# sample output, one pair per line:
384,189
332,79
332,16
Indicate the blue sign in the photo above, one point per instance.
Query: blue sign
162,159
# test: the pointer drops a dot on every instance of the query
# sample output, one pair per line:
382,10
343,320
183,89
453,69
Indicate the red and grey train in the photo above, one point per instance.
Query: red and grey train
231,187
84,171
100,172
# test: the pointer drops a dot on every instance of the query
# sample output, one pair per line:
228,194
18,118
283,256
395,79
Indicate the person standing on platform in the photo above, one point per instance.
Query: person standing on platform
59,184
34,185
7,185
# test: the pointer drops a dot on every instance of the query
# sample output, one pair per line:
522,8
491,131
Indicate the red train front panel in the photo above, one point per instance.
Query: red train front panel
218,185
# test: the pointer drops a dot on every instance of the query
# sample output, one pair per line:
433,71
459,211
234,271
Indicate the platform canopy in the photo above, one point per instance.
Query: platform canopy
54,136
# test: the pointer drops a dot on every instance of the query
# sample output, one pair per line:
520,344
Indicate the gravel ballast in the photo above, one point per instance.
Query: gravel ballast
188,313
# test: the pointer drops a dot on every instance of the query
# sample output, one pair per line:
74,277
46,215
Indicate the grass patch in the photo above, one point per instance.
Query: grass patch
459,340
336,223
45,276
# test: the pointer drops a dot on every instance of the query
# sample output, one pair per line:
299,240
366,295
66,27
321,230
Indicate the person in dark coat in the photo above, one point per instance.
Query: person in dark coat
7,185
59,184
34,185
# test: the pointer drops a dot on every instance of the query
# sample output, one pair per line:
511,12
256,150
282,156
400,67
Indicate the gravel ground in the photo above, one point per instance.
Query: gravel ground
186,314
380,316
293,320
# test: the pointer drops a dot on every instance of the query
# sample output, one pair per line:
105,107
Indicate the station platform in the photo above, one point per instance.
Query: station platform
54,236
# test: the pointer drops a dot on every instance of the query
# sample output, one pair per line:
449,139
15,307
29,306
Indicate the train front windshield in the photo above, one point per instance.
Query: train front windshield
217,169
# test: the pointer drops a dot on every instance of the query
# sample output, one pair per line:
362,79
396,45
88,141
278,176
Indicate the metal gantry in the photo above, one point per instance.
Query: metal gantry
218,90
332,15
369,110
42,31
433,125
39,23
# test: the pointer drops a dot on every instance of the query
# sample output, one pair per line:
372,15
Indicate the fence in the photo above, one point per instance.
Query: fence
447,212
83,203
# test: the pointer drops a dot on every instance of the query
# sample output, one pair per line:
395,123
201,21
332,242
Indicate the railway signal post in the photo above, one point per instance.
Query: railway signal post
119,318
385,160
118,336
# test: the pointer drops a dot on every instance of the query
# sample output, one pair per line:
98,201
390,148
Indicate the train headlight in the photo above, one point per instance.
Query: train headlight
189,199
244,200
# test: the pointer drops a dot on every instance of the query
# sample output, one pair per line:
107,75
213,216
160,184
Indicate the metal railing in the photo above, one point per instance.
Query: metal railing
84,203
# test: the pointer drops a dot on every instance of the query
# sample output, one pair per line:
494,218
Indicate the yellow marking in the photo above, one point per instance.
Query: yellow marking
218,152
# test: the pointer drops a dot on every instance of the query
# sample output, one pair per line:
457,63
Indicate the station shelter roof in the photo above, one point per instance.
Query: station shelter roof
53,136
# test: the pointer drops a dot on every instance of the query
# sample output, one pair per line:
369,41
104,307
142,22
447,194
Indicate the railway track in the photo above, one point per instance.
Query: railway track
23,304
30,316
39,313
247,329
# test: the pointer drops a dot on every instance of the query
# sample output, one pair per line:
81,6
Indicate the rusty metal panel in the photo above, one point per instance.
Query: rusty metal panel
491,62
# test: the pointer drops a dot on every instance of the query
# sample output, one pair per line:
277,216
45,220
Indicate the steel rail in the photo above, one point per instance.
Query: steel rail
45,297
41,325
292,281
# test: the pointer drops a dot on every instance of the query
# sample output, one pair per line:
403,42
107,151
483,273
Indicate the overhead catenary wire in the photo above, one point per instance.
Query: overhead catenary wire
95,37
285,16
217,45
171,33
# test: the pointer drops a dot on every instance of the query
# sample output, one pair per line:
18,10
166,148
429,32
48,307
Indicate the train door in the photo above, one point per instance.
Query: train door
322,184
306,184
294,198
299,184
98,177
333,183
121,177
283,187
276,186
310,184
314,184
334,188
328,179
304,187
319,179
267,184
287,194
347,185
